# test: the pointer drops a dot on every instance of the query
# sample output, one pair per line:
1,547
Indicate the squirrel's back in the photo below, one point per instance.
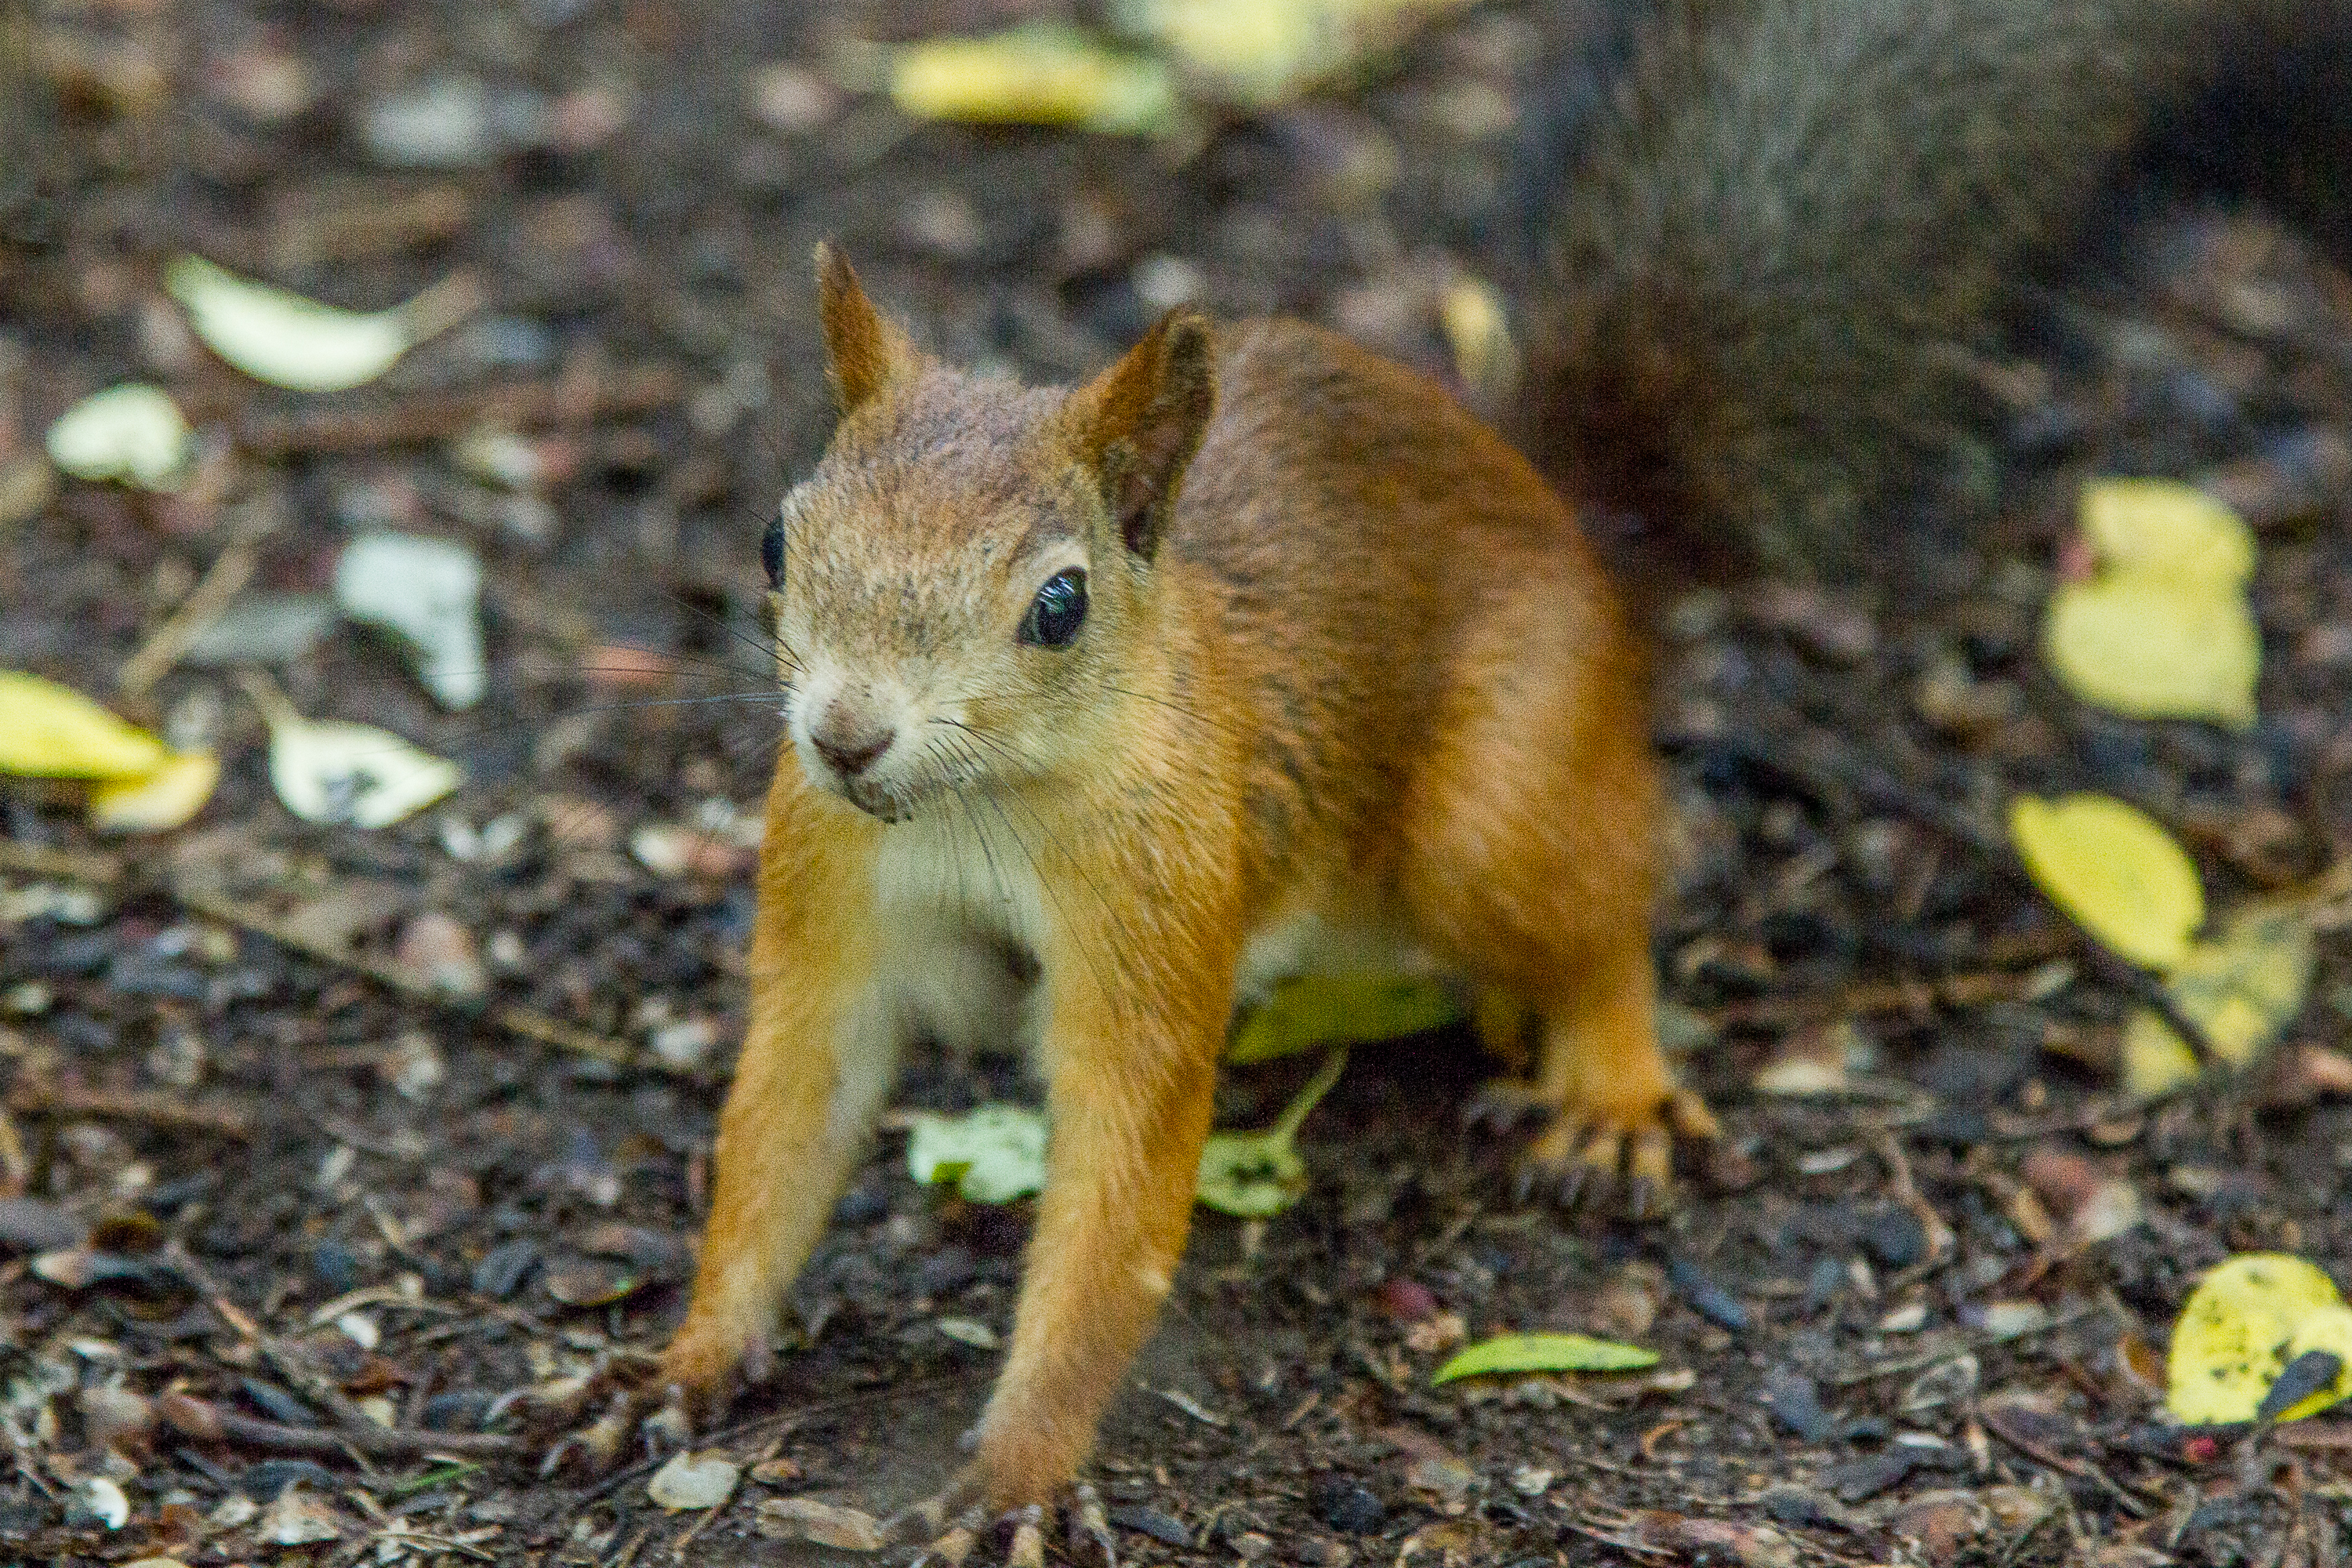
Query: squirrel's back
1791,219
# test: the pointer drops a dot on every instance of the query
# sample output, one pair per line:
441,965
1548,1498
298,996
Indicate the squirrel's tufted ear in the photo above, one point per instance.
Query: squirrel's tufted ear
865,350
1140,420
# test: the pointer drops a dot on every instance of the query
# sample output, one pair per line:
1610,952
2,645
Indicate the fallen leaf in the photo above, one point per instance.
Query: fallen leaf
1253,1175
994,1153
2164,528
2164,630
1308,1011
1544,1352
827,1524
1037,75
292,341
134,433
427,593
52,732
2114,871
2242,989
328,770
161,801
1254,53
2249,1317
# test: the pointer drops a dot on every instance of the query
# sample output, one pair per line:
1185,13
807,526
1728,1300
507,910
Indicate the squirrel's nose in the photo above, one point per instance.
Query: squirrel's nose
849,742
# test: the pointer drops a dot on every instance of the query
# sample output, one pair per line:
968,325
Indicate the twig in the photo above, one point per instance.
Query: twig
532,1025
1971,988
72,864
1925,1358
231,570
1906,1192
527,1022
204,1420
428,416
131,1105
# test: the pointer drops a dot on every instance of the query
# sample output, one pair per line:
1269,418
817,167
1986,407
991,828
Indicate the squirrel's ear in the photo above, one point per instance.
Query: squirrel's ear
865,350
1140,421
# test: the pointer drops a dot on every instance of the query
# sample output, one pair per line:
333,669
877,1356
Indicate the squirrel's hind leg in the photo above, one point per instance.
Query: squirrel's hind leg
1529,861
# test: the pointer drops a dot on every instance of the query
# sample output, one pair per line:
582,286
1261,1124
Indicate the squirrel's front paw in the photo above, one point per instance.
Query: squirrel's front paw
949,1528
1587,1154
653,1404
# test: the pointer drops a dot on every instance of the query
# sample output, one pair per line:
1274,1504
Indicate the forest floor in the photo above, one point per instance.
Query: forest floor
250,1159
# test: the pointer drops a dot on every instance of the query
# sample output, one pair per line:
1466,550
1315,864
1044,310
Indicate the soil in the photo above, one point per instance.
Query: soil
256,1165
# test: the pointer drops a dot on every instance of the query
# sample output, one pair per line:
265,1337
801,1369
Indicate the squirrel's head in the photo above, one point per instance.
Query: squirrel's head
964,579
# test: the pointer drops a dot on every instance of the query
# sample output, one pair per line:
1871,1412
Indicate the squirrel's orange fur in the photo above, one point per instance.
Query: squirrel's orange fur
1349,660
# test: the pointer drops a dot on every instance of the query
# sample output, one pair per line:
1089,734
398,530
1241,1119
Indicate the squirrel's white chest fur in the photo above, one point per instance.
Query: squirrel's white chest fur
963,913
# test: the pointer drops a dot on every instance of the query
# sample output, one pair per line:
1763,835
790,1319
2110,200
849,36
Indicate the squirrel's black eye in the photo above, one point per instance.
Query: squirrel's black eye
772,554
1060,605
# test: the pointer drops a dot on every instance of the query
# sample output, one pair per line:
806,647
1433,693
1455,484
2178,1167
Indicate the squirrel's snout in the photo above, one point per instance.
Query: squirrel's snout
849,742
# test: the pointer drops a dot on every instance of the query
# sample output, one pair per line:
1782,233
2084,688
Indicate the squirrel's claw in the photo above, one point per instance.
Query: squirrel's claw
949,1530
1504,1105
1594,1159
660,1414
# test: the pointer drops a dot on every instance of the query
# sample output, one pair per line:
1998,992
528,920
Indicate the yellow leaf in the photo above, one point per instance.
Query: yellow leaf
165,799
1031,75
2114,870
51,732
2247,1319
2164,631
2161,527
2248,985
2242,989
1255,1175
1254,54
1310,1010
2156,1061
2153,646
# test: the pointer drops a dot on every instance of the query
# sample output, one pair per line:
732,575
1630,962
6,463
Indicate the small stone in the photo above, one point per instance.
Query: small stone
33,1224
116,1417
100,1502
1893,1237
444,124
296,1519
1407,1300
414,1066
1857,1480
1531,1481
790,100
591,1281
1795,1402
502,1269
439,951
1345,1505
266,86
1941,1522
1708,1298
684,1045
967,1332
1163,1528
690,1480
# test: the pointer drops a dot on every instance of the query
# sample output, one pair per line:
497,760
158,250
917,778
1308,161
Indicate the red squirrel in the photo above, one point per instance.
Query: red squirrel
1104,701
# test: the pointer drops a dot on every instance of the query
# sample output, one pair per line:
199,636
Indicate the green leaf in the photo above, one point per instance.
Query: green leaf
1310,1010
994,1153
1544,1352
1257,1175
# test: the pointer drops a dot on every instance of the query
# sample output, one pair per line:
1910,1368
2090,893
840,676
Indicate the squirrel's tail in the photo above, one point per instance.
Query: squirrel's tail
1791,216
